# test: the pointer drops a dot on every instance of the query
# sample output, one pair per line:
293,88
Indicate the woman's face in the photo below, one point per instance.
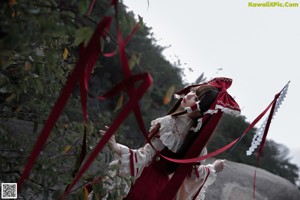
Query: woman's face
189,100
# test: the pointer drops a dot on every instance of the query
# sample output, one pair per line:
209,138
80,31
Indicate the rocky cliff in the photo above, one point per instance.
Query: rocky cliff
235,182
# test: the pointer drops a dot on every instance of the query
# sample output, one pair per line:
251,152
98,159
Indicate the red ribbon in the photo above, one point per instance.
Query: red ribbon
82,73
180,173
91,8
264,140
224,148
92,50
117,122
135,94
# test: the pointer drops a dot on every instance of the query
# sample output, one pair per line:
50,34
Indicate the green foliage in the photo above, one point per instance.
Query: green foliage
32,64
83,35
39,42
38,52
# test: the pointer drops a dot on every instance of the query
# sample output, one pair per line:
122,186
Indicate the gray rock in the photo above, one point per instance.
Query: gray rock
235,182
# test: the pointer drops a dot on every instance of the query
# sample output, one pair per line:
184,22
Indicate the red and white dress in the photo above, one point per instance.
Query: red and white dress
149,177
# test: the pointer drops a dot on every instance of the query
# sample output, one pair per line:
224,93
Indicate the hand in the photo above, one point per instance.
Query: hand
112,140
112,144
218,165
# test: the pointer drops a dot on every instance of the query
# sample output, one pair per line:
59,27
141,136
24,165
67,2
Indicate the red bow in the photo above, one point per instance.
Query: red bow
224,101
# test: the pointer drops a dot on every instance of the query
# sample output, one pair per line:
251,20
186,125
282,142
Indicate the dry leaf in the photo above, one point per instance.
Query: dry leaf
14,13
134,60
11,97
85,193
65,54
169,94
27,66
67,148
120,103
66,125
18,109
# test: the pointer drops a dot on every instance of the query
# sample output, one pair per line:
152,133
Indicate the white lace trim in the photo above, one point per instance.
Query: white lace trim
173,130
199,125
210,180
257,138
223,109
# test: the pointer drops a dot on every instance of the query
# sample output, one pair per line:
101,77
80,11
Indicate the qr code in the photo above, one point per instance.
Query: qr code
9,190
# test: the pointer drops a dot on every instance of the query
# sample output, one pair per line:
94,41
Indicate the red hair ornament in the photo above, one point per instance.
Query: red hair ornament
224,101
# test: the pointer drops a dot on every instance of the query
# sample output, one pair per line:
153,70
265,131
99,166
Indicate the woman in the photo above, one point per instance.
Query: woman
173,136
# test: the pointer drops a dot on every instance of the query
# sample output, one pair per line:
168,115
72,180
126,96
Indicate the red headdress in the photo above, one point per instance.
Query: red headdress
224,101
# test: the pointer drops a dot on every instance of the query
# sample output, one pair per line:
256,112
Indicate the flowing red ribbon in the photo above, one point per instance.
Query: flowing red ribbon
92,50
117,122
224,148
264,140
135,94
177,178
82,73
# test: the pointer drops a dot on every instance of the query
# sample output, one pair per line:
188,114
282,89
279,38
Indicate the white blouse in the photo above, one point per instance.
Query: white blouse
171,135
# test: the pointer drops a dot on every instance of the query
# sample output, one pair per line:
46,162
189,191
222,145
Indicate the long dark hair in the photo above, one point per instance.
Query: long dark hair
207,95
204,91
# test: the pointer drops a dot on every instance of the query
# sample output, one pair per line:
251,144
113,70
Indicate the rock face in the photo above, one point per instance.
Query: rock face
235,182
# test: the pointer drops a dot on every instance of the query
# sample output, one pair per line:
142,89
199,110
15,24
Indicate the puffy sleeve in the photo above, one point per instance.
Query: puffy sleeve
172,130
171,135
195,184
133,161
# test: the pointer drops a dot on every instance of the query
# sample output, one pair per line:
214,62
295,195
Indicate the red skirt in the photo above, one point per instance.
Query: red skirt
149,185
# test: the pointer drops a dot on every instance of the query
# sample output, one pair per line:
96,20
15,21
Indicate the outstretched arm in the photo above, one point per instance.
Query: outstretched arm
133,161
112,144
